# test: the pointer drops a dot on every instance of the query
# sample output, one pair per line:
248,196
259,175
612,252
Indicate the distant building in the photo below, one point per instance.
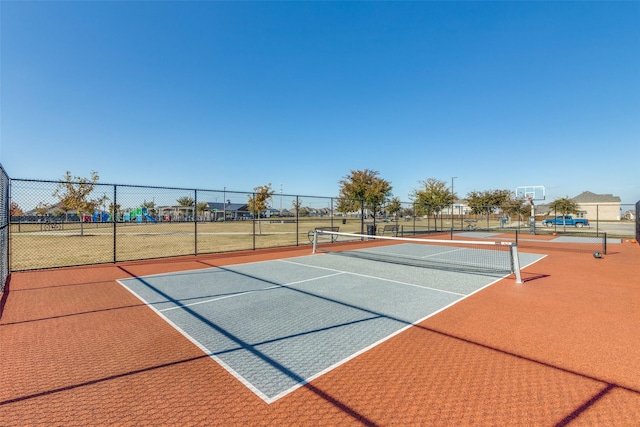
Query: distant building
229,211
598,206
459,207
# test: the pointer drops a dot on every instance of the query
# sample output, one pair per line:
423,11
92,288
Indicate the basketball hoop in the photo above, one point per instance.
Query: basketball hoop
531,193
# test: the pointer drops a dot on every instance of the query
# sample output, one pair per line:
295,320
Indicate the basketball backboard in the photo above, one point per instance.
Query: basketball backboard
530,192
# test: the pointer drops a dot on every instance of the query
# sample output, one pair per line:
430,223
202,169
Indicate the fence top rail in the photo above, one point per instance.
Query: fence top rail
161,187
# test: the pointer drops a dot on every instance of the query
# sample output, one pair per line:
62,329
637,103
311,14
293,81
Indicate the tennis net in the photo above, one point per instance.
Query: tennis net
482,257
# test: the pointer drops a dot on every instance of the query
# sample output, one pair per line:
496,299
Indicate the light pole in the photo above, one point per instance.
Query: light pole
453,201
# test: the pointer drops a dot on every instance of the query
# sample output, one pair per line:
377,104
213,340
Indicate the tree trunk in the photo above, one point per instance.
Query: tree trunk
81,224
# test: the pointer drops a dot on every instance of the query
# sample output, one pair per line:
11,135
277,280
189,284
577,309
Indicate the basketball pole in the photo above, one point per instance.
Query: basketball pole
532,220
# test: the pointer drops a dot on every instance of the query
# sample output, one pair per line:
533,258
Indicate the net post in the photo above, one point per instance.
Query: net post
515,262
315,241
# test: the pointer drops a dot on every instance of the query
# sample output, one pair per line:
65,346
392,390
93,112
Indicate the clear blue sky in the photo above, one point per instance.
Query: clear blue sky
240,94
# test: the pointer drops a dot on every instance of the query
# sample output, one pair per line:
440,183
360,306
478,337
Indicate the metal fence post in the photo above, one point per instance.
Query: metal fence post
297,221
115,220
638,222
195,222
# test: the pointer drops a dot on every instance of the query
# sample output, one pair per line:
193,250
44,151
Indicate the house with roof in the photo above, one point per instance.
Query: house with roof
598,206
229,211
214,212
592,206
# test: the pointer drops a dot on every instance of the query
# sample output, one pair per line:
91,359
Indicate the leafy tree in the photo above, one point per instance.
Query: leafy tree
394,207
304,212
345,206
74,192
41,209
513,206
363,189
564,206
409,212
186,201
151,207
14,209
202,207
485,202
259,201
433,196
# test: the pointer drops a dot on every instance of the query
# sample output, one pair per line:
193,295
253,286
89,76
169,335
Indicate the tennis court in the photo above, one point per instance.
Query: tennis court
276,325
284,337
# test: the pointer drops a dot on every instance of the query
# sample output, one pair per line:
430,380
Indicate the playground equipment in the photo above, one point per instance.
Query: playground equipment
138,214
101,217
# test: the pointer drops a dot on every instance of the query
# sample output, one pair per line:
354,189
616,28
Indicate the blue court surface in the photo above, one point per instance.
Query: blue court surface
276,325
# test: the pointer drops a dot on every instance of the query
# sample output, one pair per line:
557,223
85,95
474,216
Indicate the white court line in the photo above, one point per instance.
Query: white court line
248,383
425,256
198,344
247,292
373,277
380,341
442,253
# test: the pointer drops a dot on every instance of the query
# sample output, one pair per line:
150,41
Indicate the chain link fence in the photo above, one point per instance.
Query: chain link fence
4,227
637,222
129,222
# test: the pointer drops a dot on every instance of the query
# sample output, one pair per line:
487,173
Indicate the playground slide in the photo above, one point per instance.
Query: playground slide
149,218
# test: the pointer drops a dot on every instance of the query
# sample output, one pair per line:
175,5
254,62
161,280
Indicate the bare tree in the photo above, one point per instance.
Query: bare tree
296,204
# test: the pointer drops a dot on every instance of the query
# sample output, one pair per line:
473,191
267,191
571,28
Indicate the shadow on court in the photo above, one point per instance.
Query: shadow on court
78,349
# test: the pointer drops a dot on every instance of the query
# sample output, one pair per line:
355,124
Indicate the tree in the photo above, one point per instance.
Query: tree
41,209
564,206
259,201
296,204
487,202
14,209
114,211
483,202
74,192
517,207
151,207
432,197
304,212
363,189
394,207
345,206
202,207
186,201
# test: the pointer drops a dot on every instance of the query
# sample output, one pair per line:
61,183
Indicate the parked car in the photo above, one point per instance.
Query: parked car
566,220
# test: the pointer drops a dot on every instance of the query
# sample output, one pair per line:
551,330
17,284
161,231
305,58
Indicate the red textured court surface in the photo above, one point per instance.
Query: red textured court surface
561,349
